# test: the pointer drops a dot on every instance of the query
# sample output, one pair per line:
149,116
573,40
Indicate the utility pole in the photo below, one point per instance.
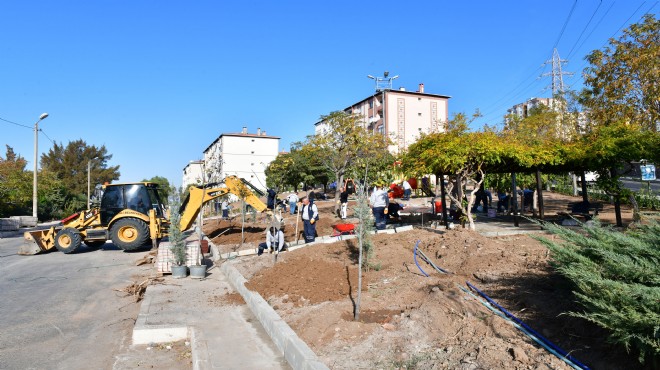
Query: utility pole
89,180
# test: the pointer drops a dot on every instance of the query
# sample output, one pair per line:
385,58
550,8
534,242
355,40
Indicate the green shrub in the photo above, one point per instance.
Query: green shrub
616,279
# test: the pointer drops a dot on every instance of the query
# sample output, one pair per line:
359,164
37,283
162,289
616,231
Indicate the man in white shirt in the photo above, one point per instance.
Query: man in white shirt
379,202
274,241
225,209
293,201
407,190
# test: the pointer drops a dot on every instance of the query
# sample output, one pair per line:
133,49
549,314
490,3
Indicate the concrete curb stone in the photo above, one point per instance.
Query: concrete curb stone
295,351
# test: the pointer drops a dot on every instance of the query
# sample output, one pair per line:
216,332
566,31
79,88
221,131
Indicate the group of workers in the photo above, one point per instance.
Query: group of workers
379,200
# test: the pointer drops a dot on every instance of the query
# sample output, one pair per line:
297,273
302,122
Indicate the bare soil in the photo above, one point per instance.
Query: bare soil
408,320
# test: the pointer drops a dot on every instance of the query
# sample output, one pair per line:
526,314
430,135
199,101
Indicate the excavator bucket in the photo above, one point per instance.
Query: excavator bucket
38,241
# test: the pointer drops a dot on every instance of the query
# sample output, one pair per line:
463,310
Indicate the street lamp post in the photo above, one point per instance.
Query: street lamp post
36,160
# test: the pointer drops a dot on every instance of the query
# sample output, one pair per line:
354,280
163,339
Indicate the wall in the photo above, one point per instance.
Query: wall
409,115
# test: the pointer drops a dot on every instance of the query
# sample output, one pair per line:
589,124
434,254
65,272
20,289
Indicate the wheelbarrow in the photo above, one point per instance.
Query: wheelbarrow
343,229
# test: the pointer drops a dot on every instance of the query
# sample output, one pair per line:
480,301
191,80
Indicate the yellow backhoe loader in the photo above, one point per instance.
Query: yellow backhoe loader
131,214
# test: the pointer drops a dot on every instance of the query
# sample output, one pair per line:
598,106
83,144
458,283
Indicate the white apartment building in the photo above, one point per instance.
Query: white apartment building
192,174
241,154
522,110
401,115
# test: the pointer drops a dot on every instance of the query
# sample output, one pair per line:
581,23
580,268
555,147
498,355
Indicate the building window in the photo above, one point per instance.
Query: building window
419,114
371,103
253,140
419,99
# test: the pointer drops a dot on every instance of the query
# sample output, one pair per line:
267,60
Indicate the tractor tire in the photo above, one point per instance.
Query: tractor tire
129,234
94,244
67,240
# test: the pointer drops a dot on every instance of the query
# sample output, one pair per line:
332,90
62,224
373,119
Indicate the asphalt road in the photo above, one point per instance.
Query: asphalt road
62,311
636,185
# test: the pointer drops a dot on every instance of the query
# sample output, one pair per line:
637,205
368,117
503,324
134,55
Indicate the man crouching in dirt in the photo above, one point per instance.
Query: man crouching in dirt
309,214
274,241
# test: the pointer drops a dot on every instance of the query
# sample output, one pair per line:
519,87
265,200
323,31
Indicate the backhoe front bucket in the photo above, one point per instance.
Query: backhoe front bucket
38,241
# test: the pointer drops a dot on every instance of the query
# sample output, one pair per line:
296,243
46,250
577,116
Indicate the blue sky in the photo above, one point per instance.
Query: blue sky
157,81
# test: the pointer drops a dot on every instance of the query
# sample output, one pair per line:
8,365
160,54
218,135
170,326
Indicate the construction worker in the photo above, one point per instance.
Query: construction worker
274,241
293,199
343,200
225,209
407,190
379,203
309,214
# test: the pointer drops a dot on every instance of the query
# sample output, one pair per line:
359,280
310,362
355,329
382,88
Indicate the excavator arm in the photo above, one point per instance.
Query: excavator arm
198,196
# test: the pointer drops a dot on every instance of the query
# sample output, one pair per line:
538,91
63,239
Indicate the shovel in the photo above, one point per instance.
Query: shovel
297,220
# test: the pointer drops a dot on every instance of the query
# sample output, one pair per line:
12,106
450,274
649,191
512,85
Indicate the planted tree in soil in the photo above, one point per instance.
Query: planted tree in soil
175,235
362,212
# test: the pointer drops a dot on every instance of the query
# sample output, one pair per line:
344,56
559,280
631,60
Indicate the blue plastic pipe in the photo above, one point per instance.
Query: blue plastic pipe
415,257
517,326
530,330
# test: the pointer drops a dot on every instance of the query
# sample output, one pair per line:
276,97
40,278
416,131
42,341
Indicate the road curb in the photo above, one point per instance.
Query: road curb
296,352
201,359
144,333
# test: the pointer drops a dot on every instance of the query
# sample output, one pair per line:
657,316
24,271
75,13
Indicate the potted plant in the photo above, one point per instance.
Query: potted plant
177,240
198,271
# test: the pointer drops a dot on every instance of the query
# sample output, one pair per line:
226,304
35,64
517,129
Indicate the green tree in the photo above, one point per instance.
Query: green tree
623,78
466,154
345,143
164,187
69,164
15,185
279,171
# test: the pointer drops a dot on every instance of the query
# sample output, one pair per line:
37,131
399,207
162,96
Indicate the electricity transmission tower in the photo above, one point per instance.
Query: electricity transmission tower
557,74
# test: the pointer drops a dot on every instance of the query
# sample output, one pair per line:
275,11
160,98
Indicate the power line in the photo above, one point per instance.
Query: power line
622,25
584,29
51,140
17,124
565,24
596,26
542,67
508,94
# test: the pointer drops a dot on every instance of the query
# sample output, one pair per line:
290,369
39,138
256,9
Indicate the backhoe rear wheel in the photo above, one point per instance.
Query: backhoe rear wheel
67,240
129,233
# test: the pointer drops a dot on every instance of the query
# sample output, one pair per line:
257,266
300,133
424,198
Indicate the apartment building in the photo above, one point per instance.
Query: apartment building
401,115
523,109
192,174
241,154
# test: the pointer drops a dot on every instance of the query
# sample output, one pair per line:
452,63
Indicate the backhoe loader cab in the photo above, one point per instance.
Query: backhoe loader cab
140,197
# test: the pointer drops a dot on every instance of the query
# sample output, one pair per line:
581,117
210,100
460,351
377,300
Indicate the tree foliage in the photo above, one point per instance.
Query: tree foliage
164,187
69,164
622,79
459,152
15,184
616,278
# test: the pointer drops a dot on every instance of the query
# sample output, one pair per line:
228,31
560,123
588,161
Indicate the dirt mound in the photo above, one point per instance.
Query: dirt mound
408,320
